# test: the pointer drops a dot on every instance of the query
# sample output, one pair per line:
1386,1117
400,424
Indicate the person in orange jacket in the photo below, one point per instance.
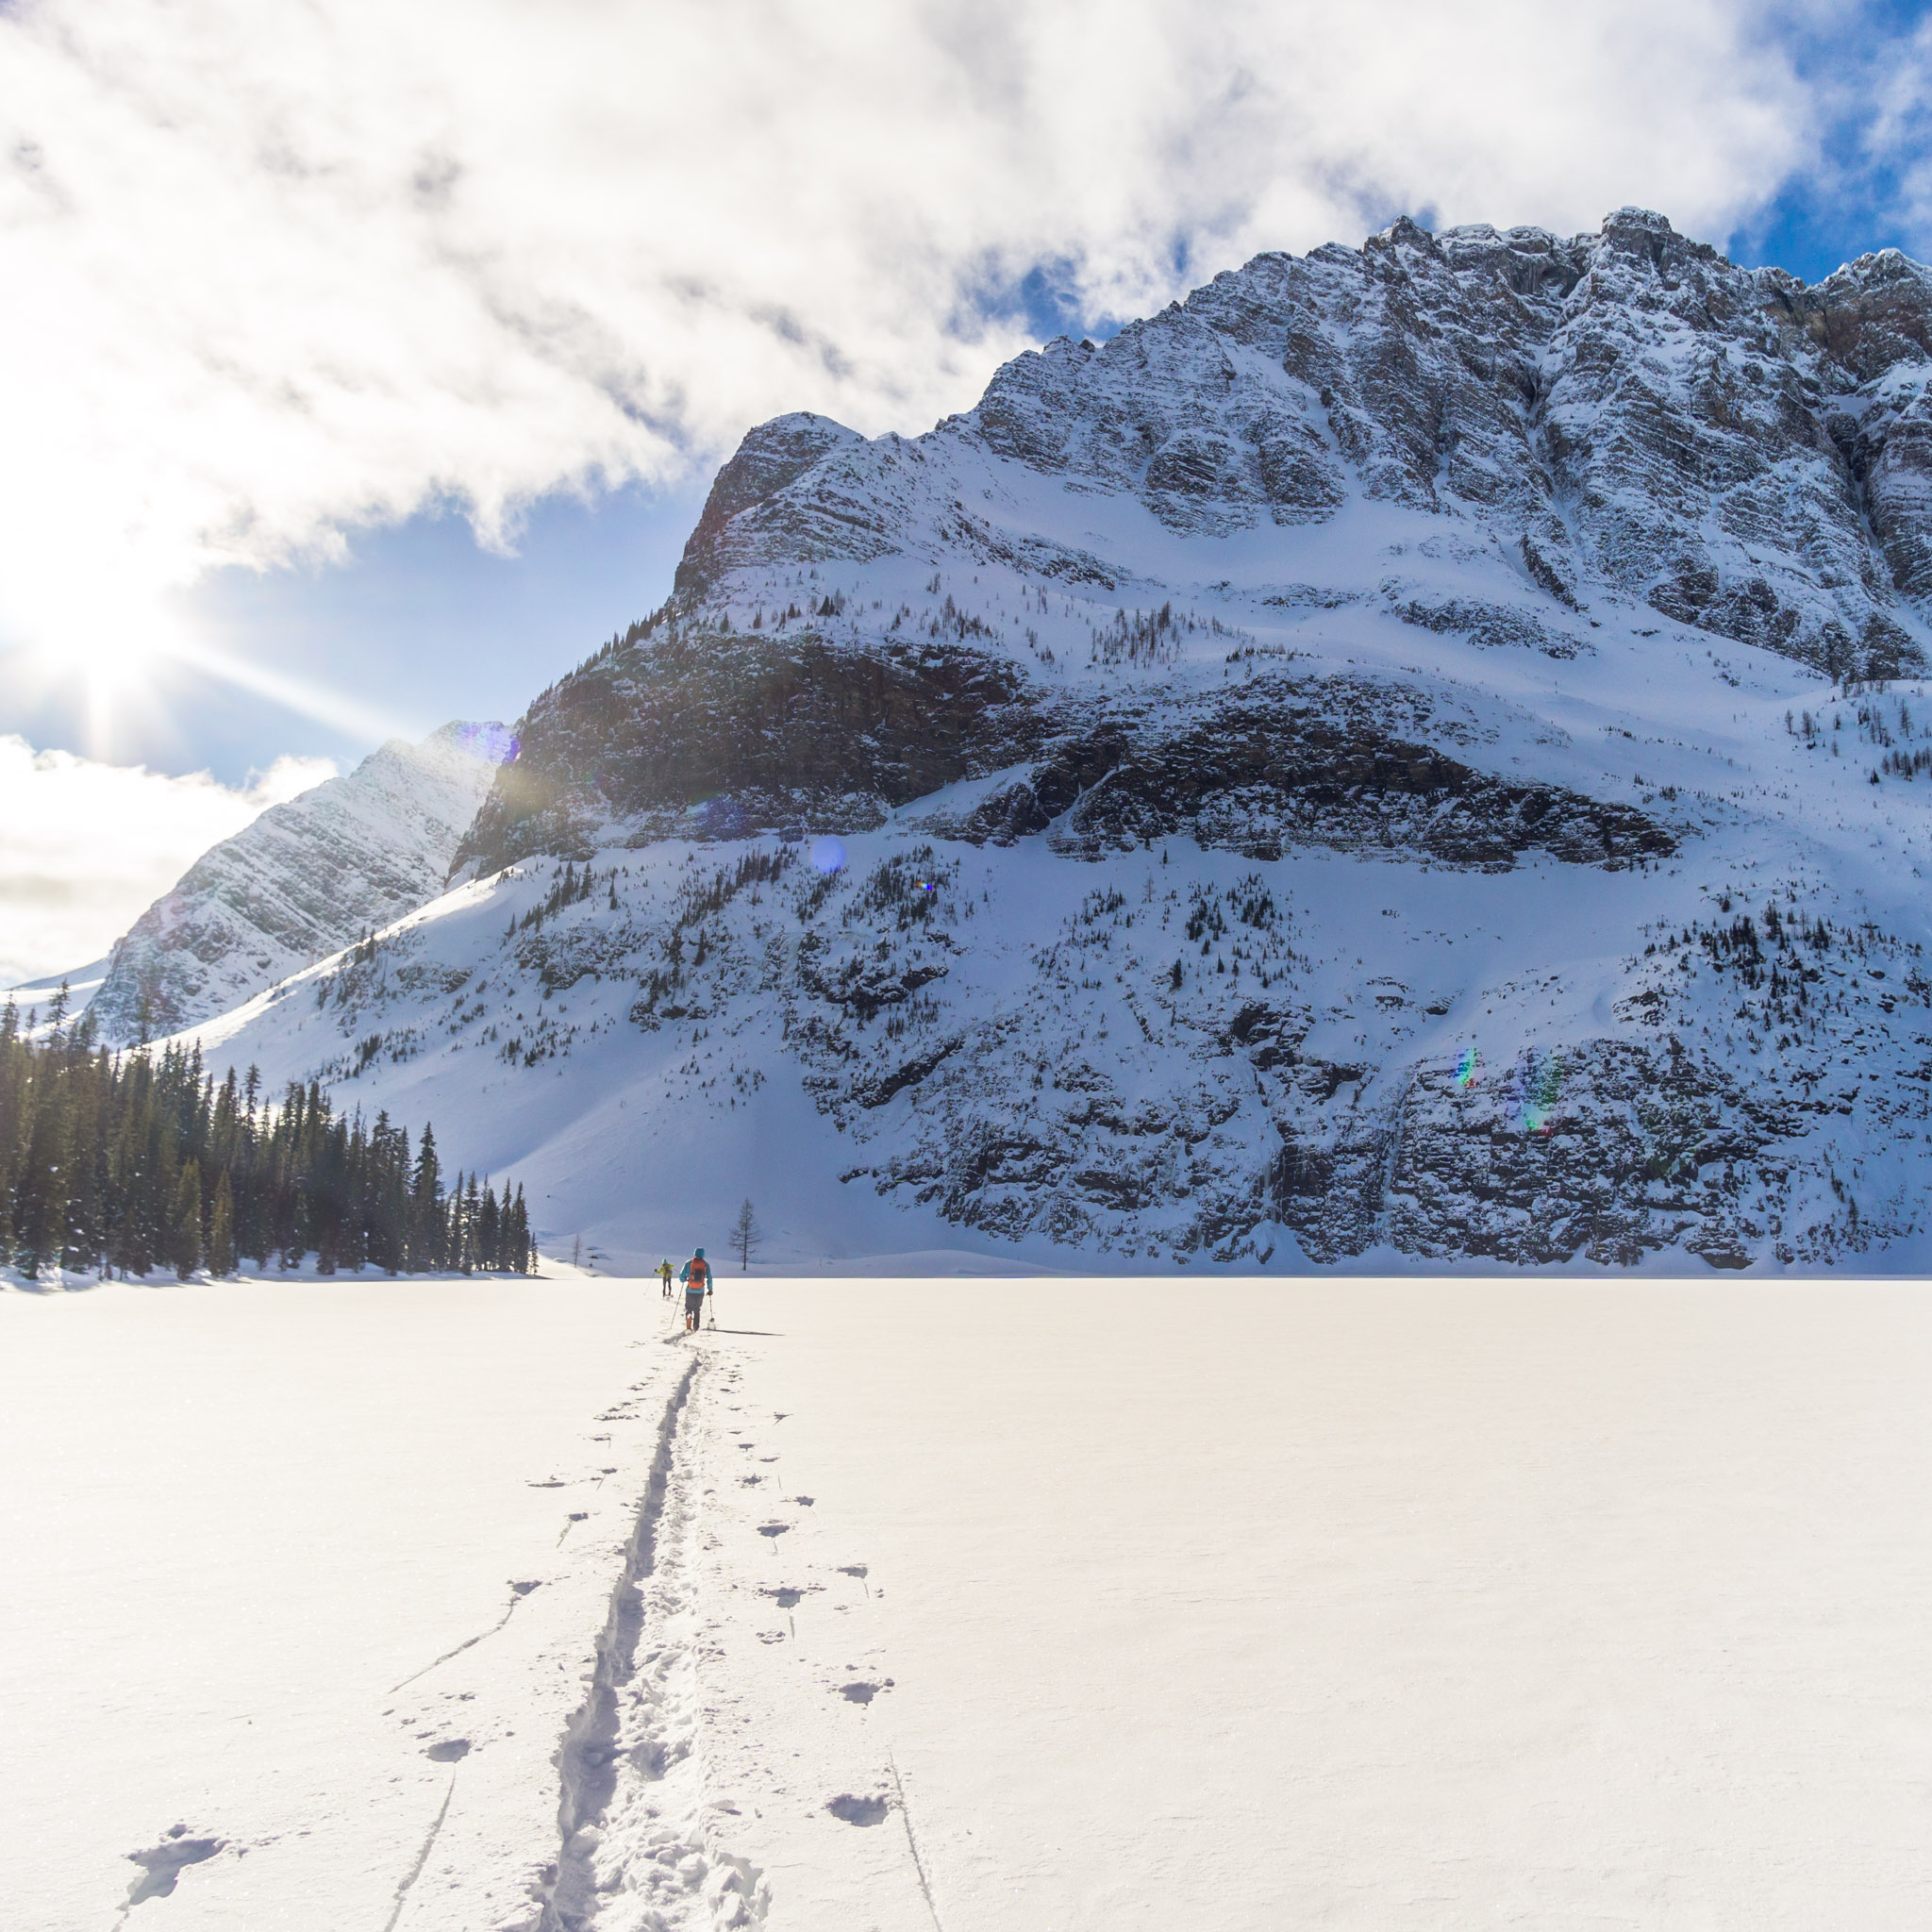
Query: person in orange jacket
697,1276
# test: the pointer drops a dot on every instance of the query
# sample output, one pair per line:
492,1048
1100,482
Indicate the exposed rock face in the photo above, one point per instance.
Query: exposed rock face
773,455
734,737
1873,320
1630,413
725,734
304,879
1288,763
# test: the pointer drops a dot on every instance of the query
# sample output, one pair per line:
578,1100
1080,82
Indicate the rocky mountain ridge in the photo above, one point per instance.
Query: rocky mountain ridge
304,879
1410,755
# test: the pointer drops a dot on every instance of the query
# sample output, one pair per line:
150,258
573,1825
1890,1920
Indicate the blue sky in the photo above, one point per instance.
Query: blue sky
440,625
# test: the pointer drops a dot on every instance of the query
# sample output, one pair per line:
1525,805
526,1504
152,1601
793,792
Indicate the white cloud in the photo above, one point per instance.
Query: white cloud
85,848
270,271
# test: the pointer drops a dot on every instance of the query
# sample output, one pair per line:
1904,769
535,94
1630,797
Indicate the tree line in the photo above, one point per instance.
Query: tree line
130,1162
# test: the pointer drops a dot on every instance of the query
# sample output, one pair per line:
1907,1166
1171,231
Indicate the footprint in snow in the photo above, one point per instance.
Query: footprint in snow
773,1528
162,1865
860,1694
803,1502
448,1750
851,1810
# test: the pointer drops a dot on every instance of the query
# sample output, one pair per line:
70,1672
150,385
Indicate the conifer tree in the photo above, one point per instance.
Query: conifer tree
184,1223
102,1157
428,1245
487,1231
221,1230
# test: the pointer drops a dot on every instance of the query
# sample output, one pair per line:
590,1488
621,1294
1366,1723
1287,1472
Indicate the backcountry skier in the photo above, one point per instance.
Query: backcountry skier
697,1276
664,1275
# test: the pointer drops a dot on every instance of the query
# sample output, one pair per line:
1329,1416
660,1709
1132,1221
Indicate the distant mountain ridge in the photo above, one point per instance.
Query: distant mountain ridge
304,878
1736,450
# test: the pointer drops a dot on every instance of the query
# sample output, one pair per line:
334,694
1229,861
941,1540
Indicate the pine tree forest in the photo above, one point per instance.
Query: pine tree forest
133,1162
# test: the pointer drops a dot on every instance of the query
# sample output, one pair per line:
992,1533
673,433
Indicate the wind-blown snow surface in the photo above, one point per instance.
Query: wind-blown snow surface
992,1604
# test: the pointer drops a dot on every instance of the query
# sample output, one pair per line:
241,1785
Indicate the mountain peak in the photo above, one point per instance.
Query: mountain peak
304,878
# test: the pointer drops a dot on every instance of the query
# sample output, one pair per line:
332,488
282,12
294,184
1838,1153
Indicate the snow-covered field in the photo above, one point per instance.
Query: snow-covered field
968,1605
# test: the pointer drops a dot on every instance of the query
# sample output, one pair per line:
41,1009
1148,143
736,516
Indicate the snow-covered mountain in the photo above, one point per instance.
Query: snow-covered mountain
306,879
1412,752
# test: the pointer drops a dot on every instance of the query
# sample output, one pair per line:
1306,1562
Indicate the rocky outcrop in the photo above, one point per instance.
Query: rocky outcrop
707,736
714,736
770,457
1604,1150
1310,763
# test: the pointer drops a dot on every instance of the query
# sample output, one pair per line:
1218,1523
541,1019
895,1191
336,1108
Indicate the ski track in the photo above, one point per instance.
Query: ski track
635,1851
674,1804
415,1870
517,1592
912,1843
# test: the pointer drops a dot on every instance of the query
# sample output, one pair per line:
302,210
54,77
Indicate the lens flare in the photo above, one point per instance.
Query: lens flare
1468,1067
493,744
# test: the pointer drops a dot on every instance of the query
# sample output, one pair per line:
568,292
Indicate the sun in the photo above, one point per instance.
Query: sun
120,660
109,662
128,662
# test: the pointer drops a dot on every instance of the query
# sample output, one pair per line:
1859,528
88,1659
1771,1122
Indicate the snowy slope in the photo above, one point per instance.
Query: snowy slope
82,984
1099,1605
1417,753
304,878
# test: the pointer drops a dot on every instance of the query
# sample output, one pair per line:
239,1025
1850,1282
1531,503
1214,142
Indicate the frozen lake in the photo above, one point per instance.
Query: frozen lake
977,1604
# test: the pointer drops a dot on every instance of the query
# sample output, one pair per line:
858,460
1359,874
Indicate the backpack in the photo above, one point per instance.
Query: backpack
700,1277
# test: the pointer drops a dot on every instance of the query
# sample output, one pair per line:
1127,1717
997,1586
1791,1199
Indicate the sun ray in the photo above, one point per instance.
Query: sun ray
312,701
114,660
